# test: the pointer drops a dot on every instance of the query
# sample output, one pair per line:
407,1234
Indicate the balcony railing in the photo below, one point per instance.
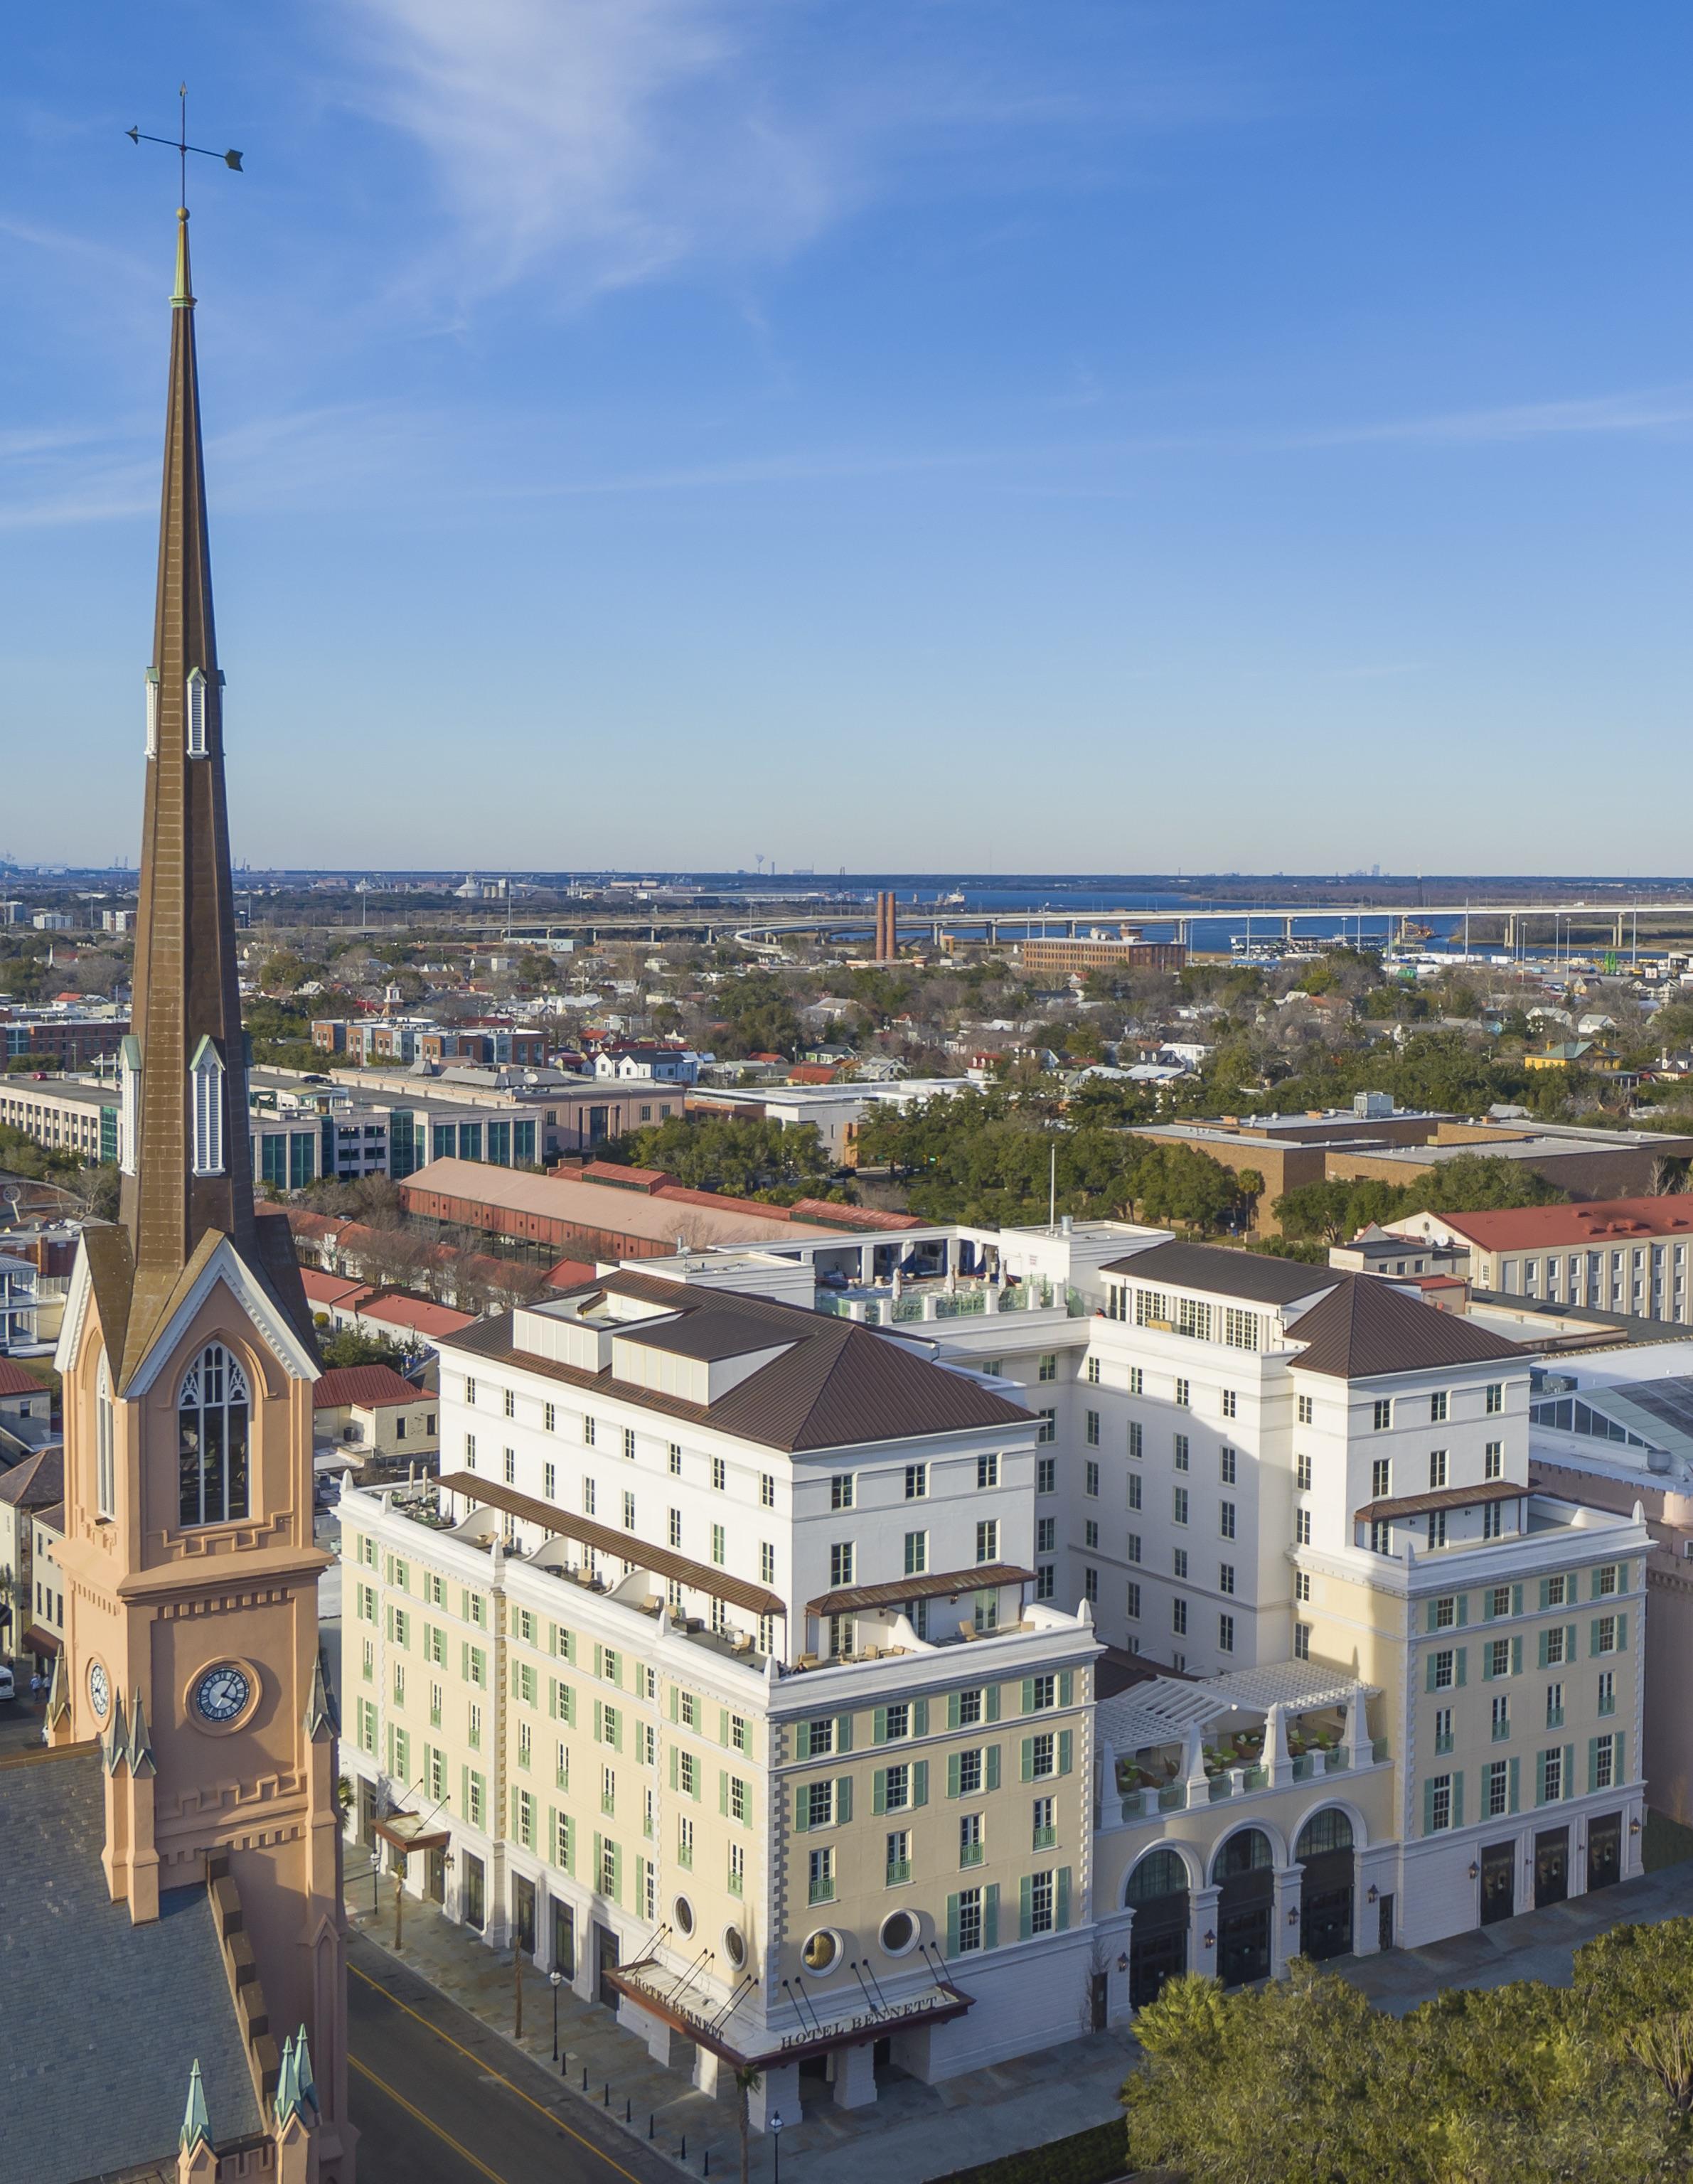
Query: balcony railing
1147,1802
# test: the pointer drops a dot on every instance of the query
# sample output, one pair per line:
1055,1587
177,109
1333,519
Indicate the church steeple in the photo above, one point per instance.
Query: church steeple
183,1138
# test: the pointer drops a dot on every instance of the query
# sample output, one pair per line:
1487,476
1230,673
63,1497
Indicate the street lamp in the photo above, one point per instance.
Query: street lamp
776,2145
555,1981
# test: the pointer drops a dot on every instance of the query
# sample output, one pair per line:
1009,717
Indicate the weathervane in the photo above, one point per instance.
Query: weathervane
179,143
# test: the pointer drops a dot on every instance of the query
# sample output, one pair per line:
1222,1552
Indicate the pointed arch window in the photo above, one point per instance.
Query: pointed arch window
153,712
105,1445
206,1100
211,1418
196,713
129,1103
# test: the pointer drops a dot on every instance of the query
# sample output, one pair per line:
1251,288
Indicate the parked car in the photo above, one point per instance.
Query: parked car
8,1685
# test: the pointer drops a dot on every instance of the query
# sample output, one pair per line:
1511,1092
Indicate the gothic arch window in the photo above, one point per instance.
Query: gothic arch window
105,1449
213,1409
206,1089
196,713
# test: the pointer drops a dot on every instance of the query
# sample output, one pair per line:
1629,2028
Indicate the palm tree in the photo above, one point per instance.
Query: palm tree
746,2080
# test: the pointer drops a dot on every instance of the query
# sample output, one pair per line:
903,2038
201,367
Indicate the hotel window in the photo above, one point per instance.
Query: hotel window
1383,1414
1301,1527
675,1459
1132,1601
1178,1561
1501,1717
1093,1372
470,1451
1497,1778
1225,1578
1301,1641
1225,1634
1552,1775
628,1513
1137,1440
988,1540
1134,1486
1137,1381
511,1402
1303,1409
1302,1584
1182,1453
588,1432
1442,1671
675,1531
1226,1466
1184,1394
549,1481
511,1467
1301,1473
766,1563
916,1482
1493,1460
1437,1528
1607,1691
1045,1535
1049,1367
1179,1504
212,1413
1178,1618
549,1417
841,1562
1493,1520
1381,1478
1443,1729
1230,1401
1495,1398
1437,1408
1605,1634
917,1553
1552,1590
1091,1476
1225,1520
988,1467
969,1920
840,1487
1437,1469
1240,1332
1092,1428
898,1868
587,1497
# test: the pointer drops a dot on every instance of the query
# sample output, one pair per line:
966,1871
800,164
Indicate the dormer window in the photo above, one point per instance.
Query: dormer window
196,713
153,712
206,1101
129,1103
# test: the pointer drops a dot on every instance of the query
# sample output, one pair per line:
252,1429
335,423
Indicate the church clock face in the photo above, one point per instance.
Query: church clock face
222,1694
99,1689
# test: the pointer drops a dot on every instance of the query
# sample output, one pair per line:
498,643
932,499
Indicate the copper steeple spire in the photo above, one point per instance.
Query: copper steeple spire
183,1138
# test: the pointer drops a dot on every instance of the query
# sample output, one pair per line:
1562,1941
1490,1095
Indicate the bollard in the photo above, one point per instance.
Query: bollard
684,2146
706,2170
628,2110
649,2123
605,2094
584,2077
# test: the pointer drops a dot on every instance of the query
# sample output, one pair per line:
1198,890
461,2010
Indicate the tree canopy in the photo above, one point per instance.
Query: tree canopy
740,1154
1472,1183
1303,2082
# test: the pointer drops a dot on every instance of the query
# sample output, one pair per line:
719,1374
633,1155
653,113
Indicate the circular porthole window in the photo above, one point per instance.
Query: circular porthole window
735,1946
899,1934
823,1951
682,1911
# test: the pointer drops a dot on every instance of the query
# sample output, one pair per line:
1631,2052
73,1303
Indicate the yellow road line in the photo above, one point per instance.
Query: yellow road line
539,2107
428,2122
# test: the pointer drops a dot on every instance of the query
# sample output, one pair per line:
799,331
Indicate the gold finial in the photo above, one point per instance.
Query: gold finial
181,296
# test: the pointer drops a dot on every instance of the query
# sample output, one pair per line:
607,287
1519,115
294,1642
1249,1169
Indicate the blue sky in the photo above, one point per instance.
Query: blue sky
909,434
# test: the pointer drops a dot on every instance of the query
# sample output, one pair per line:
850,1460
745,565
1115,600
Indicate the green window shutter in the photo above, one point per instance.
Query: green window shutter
1025,1908
802,1802
1593,1584
1619,1772
878,1790
1463,1609
675,1707
672,1769
1457,1801
952,1709
879,1729
952,1760
1026,1773
952,1925
723,1791
1029,1694
617,1732
843,1798
1569,1770
1593,1638
599,1660
1487,1664
1429,1809
802,1739
920,1782
1063,1906
1428,1684
1067,1687
1487,1606
615,1874
722,1724
1066,1745
993,1707
920,1716
1428,1622
843,1732
992,1769
552,1697
1572,1641
1621,1577
1622,1633
1515,1600
990,1916
1463,1666
698,1772
1516,1656
1516,1780
598,1860
1592,1762
599,1721
1545,1592
1541,1662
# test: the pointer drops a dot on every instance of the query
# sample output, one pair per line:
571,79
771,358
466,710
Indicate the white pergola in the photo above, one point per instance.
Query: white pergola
1171,1710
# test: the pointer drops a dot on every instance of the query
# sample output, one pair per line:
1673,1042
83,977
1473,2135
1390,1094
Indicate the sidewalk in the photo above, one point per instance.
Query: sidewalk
911,2133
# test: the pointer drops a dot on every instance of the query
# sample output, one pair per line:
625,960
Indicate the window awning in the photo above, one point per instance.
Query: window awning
1444,1497
933,1585
653,1987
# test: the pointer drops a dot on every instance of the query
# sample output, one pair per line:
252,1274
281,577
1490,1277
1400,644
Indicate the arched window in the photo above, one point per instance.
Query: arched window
1324,1831
212,1415
153,712
105,1453
1160,1874
196,713
129,1103
206,1091
1248,1851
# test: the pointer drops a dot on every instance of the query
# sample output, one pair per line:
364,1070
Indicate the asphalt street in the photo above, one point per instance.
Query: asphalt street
439,2099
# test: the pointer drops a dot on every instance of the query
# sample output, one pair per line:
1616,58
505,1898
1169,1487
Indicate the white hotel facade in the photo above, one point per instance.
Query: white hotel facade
918,1679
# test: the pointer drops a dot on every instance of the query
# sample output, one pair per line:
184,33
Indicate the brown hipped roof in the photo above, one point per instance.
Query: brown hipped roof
1444,1497
934,1585
835,1384
1365,1328
365,1387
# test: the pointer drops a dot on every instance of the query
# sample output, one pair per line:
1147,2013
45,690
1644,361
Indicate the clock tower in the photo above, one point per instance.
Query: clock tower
188,1358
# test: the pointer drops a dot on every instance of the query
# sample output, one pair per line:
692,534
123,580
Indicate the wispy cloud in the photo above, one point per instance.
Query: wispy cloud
1655,409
